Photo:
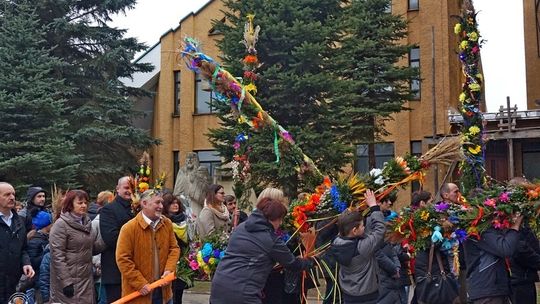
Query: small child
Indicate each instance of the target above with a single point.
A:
(355, 252)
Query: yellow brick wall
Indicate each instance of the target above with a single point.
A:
(186, 132)
(532, 56)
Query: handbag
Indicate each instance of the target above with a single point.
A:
(437, 288)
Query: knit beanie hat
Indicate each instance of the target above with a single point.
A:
(41, 220)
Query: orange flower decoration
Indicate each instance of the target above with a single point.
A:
(251, 59)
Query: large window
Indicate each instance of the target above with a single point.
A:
(414, 62)
(203, 97)
(176, 101)
(413, 5)
(176, 165)
(382, 152)
(209, 159)
(531, 160)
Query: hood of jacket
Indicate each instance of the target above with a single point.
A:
(85, 226)
(257, 222)
(32, 192)
(344, 249)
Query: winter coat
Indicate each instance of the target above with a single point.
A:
(253, 250)
(526, 260)
(356, 257)
(93, 210)
(111, 218)
(328, 231)
(404, 272)
(36, 248)
(486, 268)
(13, 255)
(44, 279)
(134, 255)
(71, 245)
(210, 219)
(389, 267)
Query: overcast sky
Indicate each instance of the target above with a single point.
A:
(501, 25)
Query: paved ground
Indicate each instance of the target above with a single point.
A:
(195, 298)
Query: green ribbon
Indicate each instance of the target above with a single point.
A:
(276, 148)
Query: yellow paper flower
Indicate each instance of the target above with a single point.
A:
(462, 97)
(424, 215)
(475, 150)
(252, 88)
(480, 76)
(473, 36)
(242, 119)
(463, 45)
(457, 28)
(212, 261)
(425, 232)
(474, 130)
(474, 87)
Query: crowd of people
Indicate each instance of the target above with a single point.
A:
(102, 251)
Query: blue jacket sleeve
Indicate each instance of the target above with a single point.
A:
(45, 277)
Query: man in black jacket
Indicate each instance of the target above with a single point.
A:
(487, 276)
(112, 217)
(35, 202)
(525, 265)
(14, 260)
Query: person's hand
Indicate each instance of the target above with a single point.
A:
(517, 218)
(28, 271)
(69, 291)
(165, 273)
(145, 290)
(237, 212)
(370, 198)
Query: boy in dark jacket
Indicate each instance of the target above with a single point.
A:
(525, 265)
(487, 276)
(355, 252)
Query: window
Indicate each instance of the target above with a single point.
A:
(203, 97)
(416, 150)
(210, 159)
(413, 5)
(531, 160)
(388, 8)
(176, 165)
(414, 62)
(176, 101)
(383, 152)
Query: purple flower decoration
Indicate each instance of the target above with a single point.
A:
(236, 145)
(235, 87)
(206, 259)
(461, 235)
(442, 207)
(504, 197)
(287, 136)
(216, 253)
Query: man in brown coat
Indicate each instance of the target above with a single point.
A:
(147, 251)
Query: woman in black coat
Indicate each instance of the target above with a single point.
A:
(174, 210)
(253, 250)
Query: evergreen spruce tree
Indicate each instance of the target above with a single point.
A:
(34, 145)
(295, 47)
(371, 84)
(100, 111)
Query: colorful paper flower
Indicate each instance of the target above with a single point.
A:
(490, 202)
(474, 130)
(475, 87)
(473, 36)
(475, 150)
(457, 28)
